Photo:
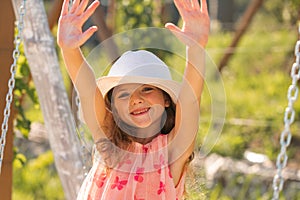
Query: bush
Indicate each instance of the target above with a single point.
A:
(36, 179)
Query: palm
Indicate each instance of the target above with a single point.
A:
(195, 22)
(70, 34)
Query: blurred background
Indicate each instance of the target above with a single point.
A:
(252, 44)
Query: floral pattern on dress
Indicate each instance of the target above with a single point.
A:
(162, 188)
(143, 174)
(100, 180)
(119, 183)
(139, 174)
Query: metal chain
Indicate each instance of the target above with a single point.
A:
(11, 81)
(84, 149)
(289, 118)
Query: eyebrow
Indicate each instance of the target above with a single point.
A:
(122, 90)
(125, 88)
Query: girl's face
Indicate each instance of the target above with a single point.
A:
(139, 105)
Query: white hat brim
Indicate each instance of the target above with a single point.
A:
(106, 83)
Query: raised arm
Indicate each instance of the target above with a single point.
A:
(194, 34)
(69, 38)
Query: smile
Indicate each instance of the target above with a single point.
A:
(140, 112)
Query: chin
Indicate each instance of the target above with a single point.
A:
(142, 125)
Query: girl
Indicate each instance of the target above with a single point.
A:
(143, 123)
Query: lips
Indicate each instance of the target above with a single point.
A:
(140, 111)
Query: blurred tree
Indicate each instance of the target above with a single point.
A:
(169, 13)
(135, 13)
(245, 21)
(101, 17)
(54, 12)
(226, 10)
(284, 11)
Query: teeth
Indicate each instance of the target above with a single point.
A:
(140, 111)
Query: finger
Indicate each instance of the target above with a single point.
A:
(187, 4)
(195, 4)
(87, 34)
(204, 6)
(185, 39)
(90, 10)
(65, 7)
(81, 7)
(74, 6)
(173, 28)
(177, 32)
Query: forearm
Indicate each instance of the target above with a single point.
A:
(74, 61)
(83, 78)
(69, 38)
(79, 71)
(195, 70)
(188, 105)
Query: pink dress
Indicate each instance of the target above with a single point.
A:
(143, 174)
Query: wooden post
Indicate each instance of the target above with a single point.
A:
(6, 49)
(41, 54)
(241, 29)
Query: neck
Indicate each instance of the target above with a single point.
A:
(146, 135)
(145, 140)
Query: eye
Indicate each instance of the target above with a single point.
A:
(147, 89)
(123, 95)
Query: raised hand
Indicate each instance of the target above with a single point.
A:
(196, 23)
(70, 34)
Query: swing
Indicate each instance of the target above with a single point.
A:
(289, 115)
(11, 81)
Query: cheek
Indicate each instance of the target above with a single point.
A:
(121, 107)
(156, 98)
(157, 109)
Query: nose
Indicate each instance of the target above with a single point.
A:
(136, 98)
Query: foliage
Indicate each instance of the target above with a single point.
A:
(256, 82)
(135, 13)
(24, 90)
(37, 179)
(283, 10)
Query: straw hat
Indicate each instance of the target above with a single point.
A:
(141, 67)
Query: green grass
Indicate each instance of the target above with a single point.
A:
(256, 81)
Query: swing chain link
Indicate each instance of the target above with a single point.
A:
(11, 81)
(84, 150)
(289, 117)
